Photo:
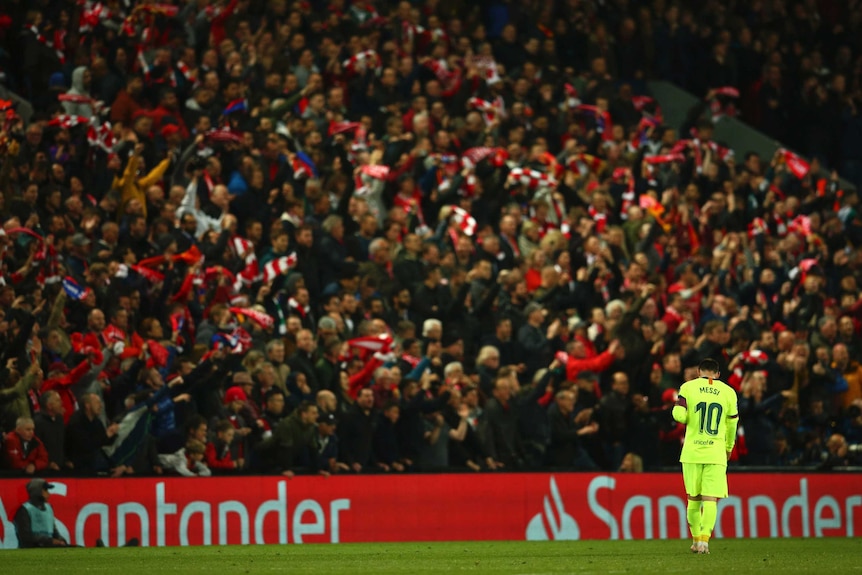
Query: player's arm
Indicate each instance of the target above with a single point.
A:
(680, 409)
(730, 425)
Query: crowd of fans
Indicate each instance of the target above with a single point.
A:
(332, 237)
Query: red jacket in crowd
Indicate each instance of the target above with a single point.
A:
(217, 460)
(63, 386)
(13, 448)
(601, 362)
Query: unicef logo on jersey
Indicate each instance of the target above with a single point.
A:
(553, 523)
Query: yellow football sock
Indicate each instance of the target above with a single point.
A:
(694, 519)
(710, 512)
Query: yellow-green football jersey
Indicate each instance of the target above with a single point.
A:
(708, 408)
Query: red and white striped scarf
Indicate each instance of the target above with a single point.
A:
(244, 249)
(278, 267)
(583, 164)
(93, 14)
(720, 151)
(572, 99)
(374, 343)
(719, 109)
(441, 70)
(76, 99)
(487, 67)
(641, 102)
(490, 110)
(664, 159)
(378, 172)
(465, 222)
(224, 134)
(248, 275)
(112, 334)
(438, 35)
(601, 219)
(57, 42)
(468, 189)
(302, 310)
(450, 79)
(755, 357)
(410, 33)
(757, 227)
(802, 269)
(801, 225)
(628, 196)
(49, 272)
(151, 275)
(367, 173)
(358, 145)
(67, 121)
(473, 156)
(659, 159)
(693, 144)
(532, 179)
(411, 205)
(45, 257)
(263, 320)
(797, 166)
(341, 127)
(102, 136)
(362, 61)
(187, 72)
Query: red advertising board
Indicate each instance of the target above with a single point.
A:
(449, 507)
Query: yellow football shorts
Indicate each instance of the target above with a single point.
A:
(707, 479)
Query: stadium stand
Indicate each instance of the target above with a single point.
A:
(302, 237)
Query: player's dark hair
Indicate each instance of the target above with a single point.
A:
(709, 364)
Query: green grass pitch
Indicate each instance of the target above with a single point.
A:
(640, 557)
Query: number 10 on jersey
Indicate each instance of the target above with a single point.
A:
(710, 416)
